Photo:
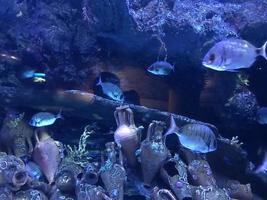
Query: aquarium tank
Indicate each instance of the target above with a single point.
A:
(133, 100)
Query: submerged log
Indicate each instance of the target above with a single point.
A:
(84, 105)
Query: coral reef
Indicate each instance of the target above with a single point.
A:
(13, 173)
(15, 135)
(77, 175)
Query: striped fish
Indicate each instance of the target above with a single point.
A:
(197, 137)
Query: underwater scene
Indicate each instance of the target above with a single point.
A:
(133, 100)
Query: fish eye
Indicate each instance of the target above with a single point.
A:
(211, 58)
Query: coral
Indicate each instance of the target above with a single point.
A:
(242, 106)
(16, 134)
(31, 194)
(202, 16)
(80, 155)
(234, 141)
(67, 176)
(12, 172)
(161, 194)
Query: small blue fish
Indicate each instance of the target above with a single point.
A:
(111, 90)
(232, 55)
(33, 74)
(44, 119)
(162, 68)
(34, 171)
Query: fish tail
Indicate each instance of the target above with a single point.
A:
(173, 127)
(59, 115)
(99, 81)
(263, 50)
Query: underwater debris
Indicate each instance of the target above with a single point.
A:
(112, 172)
(127, 135)
(47, 154)
(174, 173)
(153, 152)
(79, 154)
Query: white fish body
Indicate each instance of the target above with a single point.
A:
(232, 54)
(196, 144)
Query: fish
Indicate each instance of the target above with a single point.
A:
(33, 170)
(111, 90)
(39, 80)
(33, 74)
(198, 138)
(44, 119)
(232, 54)
(263, 166)
(262, 115)
(162, 68)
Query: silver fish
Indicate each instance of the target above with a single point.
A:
(262, 115)
(161, 68)
(196, 137)
(232, 54)
(44, 119)
(111, 90)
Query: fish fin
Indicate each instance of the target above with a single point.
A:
(40, 75)
(262, 51)
(59, 115)
(99, 81)
(232, 70)
(173, 127)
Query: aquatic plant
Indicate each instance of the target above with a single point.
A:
(78, 154)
